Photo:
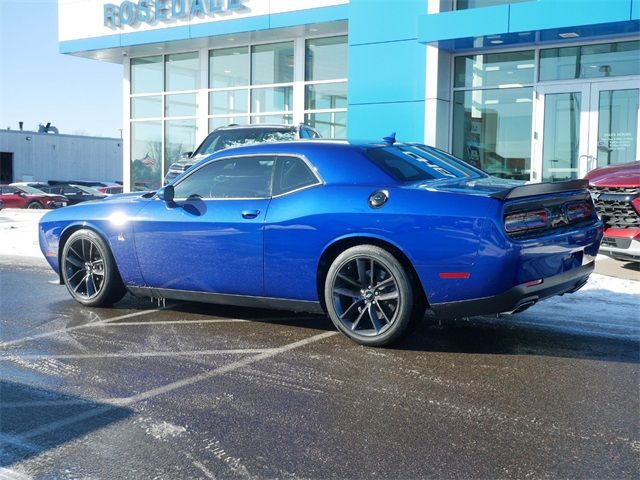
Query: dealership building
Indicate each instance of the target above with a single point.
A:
(526, 89)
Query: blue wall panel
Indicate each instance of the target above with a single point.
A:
(474, 22)
(545, 14)
(375, 121)
(387, 72)
(635, 9)
(373, 21)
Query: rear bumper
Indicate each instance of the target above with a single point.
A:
(518, 297)
(623, 244)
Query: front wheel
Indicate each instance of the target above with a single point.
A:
(89, 270)
(369, 296)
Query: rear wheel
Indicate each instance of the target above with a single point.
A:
(89, 270)
(369, 296)
(34, 205)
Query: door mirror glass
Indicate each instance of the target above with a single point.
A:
(166, 193)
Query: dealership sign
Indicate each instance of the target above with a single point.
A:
(153, 11)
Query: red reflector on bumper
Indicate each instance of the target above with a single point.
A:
(534, 282)
(464, 275)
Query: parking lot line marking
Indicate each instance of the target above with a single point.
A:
(127, 401)
(18, 441)
(175, 322)
(225, 368)
(54, 403)
(77, 327)
(62, 356)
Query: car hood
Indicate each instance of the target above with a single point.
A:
(624, 175)
(482, 186)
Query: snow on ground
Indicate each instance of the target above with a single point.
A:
(606, 306)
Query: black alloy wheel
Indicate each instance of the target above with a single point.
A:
(89, 271)
(369, 296)
(34, 205)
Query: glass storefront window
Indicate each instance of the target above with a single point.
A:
(494, 69)
(147, 75)
(272, 63)
(224, 121)
(561, 140)
(229, 102)
(180, 137)
(326, 95)
(492, 130)
(182, 71)
(465, 4)
(590, 61)
(229, 67)
(146, 155)
(180, 105)
(286, 119)
(146, 107)
(617, 126)
(271, 99)
(326, 58)
(328, 124)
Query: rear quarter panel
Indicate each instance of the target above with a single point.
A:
(435, 230)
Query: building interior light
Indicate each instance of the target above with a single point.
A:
(496, 42)
(569, 35)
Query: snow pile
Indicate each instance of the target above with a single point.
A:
(19, 232)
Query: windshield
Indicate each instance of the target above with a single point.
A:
(414, 163)
(88, 190)
(243, 136)
(30, 190)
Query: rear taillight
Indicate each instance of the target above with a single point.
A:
(636, 204)
(102, 189)
(578, 211)
(525, 221)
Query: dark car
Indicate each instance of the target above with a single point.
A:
(236, 135)
(373, 234)
(103, 187)
(616, 193)
(24, 196)
(75, 193)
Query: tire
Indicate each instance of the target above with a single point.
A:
(371, 313)
(89, 270)
(34, 205)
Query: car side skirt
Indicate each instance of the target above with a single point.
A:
(517, 298)
(229, 299)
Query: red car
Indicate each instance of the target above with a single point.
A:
(28, 197)
(616, 193)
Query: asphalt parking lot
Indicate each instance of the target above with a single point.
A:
(202, 391)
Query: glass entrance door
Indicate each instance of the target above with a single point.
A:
(579, 127)
(613, 135)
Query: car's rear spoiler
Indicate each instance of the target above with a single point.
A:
(534, 189)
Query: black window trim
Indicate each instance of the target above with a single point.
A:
(313, 170)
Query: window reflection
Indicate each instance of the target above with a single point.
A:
(146, 155)
(492, 130)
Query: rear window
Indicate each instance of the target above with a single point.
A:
(243, 136)
(415, 163)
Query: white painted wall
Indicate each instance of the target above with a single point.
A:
(41, 156)
(85, 19)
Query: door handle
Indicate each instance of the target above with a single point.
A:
(250, 213)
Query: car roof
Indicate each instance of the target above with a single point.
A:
(328, 156)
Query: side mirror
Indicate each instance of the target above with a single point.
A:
(166, 193)
(186, 154)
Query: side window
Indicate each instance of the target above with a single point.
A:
(240, 177)
(291, 174)
(9, 190)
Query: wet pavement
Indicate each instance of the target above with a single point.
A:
(202, 391)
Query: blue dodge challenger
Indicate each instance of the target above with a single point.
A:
(372, 234)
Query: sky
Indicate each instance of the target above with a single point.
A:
(39, 85)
